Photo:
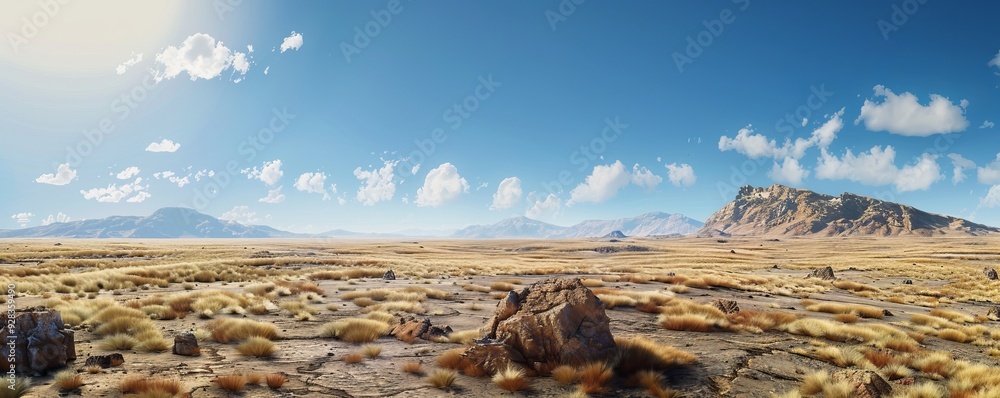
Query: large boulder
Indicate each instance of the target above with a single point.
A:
(555, 321)
(866, 384)
(39, 340)
(825, 273)
(491, 357)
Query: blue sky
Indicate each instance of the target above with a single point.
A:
(450, 113)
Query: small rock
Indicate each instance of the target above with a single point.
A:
(886, 312)
(991, 273)
(907, 281)
(186, 344)
(866, 384)
(825, 273)
(106, 361)
(491, 356)
(732, 252)
(993, 313)
(389, 275)
(726, 306)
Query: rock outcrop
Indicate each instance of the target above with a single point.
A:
(825, 273)
(41, 342)
(726, 306)
(410, 328)
(106, 361)
(552, 322)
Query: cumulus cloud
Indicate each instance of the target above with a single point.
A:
(960, 164)
(756, 146)
(986, 124)
(163, 146)
(55, 218)
(376, 185)
(23, 219)
(995, 61)
(128, 173)
(441, 185)
(602, 184)
(62, 176)
(508, 194)
(878, 167)
(273, 196)
(202, 173)
(121, 69)
(270, 173)
(992, 198)
(240, 214)
(314, 183)
(201, 56)
(681, 176)
(542, 208)
(642, 177)
(135, 192)
(789, 171)
(990, 173)
(292, 42)
(902, 114)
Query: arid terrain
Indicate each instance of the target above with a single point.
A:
(916, 311)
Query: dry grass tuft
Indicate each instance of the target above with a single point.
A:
(638, 353)
(953, 335)
(594, 377)
(355, 330)
(259, 347)
(371, 350)
(688, 322)
(413, 368)
(275, 380)
(118, 341)
(847, 318)
(67, 380)
(233, 382)
(353, 358)
(442, 378)
(232, 330)
(511, 379)
(451, 359)
(865, 311)
(566, 374)
(150, 386)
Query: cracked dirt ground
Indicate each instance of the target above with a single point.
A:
(730, 364)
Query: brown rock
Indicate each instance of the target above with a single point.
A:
(106, 361)
(867, 384)
(410, 328)
(991, 273)
(825, 273)
(553, 321)
(186, 344)
(389, 275)
(491, 356)
(726, 306)
(993, 314)
(41, 342)
(434, 333)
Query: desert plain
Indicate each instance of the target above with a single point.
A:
(304, 318)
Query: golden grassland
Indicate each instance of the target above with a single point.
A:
(287, 307)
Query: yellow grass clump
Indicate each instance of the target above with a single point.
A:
(442, 378)
(255, 346)
(511, 379)
(355, 330)
(67, 380)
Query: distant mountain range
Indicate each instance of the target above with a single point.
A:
(773, 211)
(782, 211)
(649, 224)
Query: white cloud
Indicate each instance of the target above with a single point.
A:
(755, 146)
(202, 173)
(240, 63)
(442, 184)
(240, 214)
(482, 185)
(789, 171)
(508, 194)
(163, 146)
(121, 69)
(128, 173)
(273, 196)
(904, 115)
(602, 184)
(55, 218)
(960, 164)
(995, 61)
(180, 181)
(415, 169)
(22, 218)
(199, 55)
(540, 208)
(62, 176)
(990, 174)
(292, 42)
(986, 124)
(266, 69)
(341, 200)
(804, 121)
(314, 183)
(270, 173)
(135, 192)
(992, 198)
(681, 176)
(642, 177)
(376, 185)
(877, 167)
